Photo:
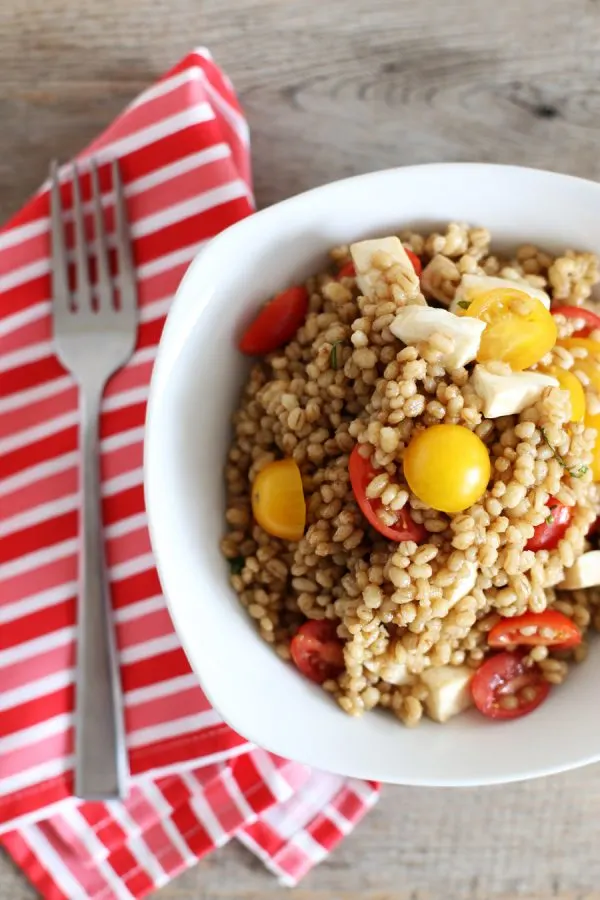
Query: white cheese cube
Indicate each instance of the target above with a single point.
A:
(471, 286)
(506, 395)
(449, 691)
(464, 584)
(417, 323)
(396, 673)
(584, 574)
(369, 276)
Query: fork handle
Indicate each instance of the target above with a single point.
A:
(100, 752)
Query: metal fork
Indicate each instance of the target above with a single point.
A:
(94, 337)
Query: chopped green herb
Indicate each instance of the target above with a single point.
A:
(578, 471)
(237, 564)
(333, 356)
(464, 304)
(574, 471)
(549, 519)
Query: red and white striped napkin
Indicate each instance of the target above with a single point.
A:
(184, 156)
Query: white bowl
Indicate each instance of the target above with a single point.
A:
(194, 389)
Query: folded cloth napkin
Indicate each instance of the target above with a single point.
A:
(184, 156)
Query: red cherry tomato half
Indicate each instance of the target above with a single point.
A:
(417, 265)
(575, 312)
(317, 651)
(503, 687)
(549, 628)
(276, 323)
(547, 535)
(361, 474)
(347, 270)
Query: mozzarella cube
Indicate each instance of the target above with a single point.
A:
(464, 584)
(417, 323)
(449, 691)
(369, 276)
(584, 574)
(471, 286)
(396, 673)
(506, 395)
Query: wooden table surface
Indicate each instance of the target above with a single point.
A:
(333, 88)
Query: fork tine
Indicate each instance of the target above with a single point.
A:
(61, 295)
(127, 280)
(105, 293)
(83, 289)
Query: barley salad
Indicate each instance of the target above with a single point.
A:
(412, 485)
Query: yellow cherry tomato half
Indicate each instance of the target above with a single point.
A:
(520, 330)
(593, 421)
(572, 343)
(447, 467)
(590, 364)
(572, 385)
(591, 370)
(278, 500)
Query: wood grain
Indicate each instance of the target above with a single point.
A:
(332, 89)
